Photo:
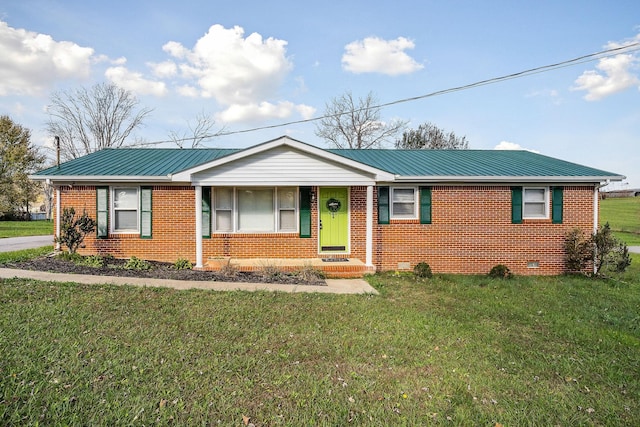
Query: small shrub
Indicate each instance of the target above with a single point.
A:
(577, 251)
(73, 230)
(602, 250)
(95, 261)
(500, 271)
(622, 258)
(135, 263)
(183, 264)
(422, 270)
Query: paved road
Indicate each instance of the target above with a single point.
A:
(18, 243)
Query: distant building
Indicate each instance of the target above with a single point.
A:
(629, 192)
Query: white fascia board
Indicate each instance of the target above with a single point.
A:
(378, 174)
(508, 179)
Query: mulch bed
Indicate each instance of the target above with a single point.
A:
(161, 270)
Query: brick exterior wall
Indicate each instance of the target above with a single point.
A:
(471, 231)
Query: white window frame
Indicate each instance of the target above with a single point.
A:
(545, 202)
(113, 210)
(392, 202)
(235, 213)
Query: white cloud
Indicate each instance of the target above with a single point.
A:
(164, 69)
(614, 74)
(188, 91)
(231, 68)
(506, 145)
(243, 74)
(135, 82)
(31, 63)
(263, 110)
(375, 55)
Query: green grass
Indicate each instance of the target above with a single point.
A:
(23, 255)
(455, 350)
(623, 215)
(25, 228)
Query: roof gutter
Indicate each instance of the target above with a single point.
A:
(99, 178)
(508, 179)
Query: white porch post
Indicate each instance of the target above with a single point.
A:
(198, 226)
(57, 217)
(369, 229)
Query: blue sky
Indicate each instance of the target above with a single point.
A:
(253, 64)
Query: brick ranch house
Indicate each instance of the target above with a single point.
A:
(461, 211)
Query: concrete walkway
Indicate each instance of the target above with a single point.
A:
(634, 249)
(11, 244)
(334, 286)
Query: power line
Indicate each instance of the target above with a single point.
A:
(570, 62)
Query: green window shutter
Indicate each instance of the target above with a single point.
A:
(383, 205)
(145, 212)
(425, 205)
(102, 212)
(556, 205)
(206, 212)
(305, 212)
(516, 205)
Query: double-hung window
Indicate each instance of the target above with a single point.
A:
(255, 209)
(125, 209)
(535, 203)
(403, 202)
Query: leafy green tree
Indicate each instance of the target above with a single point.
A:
(18, 159)
(430, 137)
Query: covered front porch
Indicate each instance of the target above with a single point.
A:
(331, 267)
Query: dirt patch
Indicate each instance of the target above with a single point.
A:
(161, 270)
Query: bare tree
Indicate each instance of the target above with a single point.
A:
(429, 137)
(88, 120)
(349, 123)
(198, 131)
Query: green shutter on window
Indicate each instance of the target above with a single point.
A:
(305, 212)
(102, 212)
(383, 205)
(425, 205)
(556, 205)
(145, 212)
(516, 205)
(206, 212)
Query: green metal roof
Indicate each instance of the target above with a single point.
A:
(136, 162)
(469, 163)
(162, 162)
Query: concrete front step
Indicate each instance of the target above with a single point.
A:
(331, 267)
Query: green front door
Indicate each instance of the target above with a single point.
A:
(334, 220)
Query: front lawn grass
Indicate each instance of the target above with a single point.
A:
(455, 350)
(623, 216)
(24, 254)
(25, 228)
